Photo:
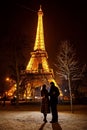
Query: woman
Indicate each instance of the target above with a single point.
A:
(45, 105)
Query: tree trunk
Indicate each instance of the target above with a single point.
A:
(17, 74)
(69, 83)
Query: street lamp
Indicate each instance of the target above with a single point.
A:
(7, 79)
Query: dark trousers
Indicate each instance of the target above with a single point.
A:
(54, 112)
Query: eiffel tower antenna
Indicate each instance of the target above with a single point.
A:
(40, 7)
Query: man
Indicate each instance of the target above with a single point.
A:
(54, 93)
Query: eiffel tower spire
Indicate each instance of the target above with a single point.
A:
(39, 42)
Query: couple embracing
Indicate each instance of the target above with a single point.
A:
(50, 101)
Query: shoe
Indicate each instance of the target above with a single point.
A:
(53, 121)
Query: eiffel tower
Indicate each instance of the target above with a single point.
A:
(38, 63)
(38, 71)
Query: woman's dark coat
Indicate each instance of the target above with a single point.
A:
(45, 104)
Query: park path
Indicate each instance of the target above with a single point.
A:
(33, 120)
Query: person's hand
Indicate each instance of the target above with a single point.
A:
(42, 97)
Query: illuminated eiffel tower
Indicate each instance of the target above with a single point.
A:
(38, 62)
(37, 71)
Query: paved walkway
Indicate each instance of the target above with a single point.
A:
(33, 120)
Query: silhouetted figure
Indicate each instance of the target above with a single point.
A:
(45, 105)
(4, 99)
(54, 93)
(13, 100)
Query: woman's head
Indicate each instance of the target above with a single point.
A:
(44, 86)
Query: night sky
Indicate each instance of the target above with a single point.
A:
(63, 20)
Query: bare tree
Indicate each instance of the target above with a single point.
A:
(17, 60)
(67, 65)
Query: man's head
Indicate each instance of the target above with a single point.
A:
(52, 83)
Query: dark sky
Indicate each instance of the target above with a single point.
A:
(63, 20)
